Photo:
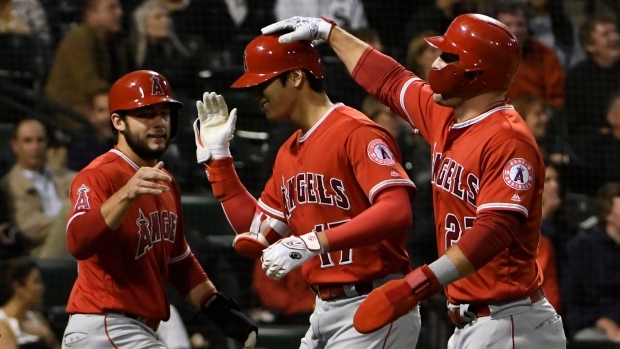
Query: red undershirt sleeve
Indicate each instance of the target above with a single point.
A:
(239, 206)
(81, 245)
(492, 233)
(390, 214)
(186, 274)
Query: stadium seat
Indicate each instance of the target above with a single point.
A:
(204, 214)
(6, 154)
(58, 276)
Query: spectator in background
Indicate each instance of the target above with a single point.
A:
(540, 72)
(24, 17)
(547, 257)
(590, 83)
(12, 242)
(348, 14)
(21, 291)
(604, 148)
(157, 47)
(436, 15)
(420, 55)
(86, 149)
(591, 277)
(550, 25)
(38, 194)
(225, 26)
(89, 58)
(552, 144)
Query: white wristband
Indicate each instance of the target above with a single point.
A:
(219, 151)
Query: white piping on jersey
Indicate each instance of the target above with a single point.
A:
(228, 219)
(119, 153)
(402, 98)
(72, 218)
(381, 185)
(480, 117)
(270, 210)
(502, 205)
(305, 136)
(176, 259)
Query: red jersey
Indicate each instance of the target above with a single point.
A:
(490, 162)
(130, 273)
(330, 175)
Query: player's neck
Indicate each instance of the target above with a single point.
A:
(613, 232)
(478, 105)
(310, 111)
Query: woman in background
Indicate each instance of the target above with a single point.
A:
(21, 290)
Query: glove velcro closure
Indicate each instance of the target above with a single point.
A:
(227, 316)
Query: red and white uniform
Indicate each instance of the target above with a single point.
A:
(330, 175)
(490, 162)
(126, 270)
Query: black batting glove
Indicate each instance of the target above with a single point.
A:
(227, 316)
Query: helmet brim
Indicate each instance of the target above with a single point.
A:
(146, 101)
(439, 42)
(252, 79)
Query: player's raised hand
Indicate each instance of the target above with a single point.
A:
(302, 28)
(214, 128)
(148, 180)
(289, 253)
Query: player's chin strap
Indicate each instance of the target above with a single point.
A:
(226, 314)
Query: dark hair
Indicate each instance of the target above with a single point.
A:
(523, 103)
(587, 27)
(513, 8)
(315, 84)
(605, 200)
(28, 119)
(14, 271)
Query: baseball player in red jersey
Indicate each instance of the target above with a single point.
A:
(488, 178)
(126, 231)
(337, 188)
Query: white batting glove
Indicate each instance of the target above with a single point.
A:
(214, 128)
(289, 253)
(302, 28)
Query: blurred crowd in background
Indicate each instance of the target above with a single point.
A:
(58, 59)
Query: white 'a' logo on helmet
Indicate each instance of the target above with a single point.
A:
(156, 88)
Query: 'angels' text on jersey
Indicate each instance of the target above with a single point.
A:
(449, 176)
(313, 188)
(154, 227)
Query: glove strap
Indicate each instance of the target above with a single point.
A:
(333, 23)
(219, 151)
(312, 242)
(423, 282)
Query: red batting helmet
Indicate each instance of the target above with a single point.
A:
(265, 57)
(488, 56)
(142, 88)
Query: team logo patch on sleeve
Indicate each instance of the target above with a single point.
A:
(518, 174)
(82, 201)
(380, 153)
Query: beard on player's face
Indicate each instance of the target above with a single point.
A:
(140, 145)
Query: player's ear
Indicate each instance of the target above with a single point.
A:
(297, 76)
(118, 121)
